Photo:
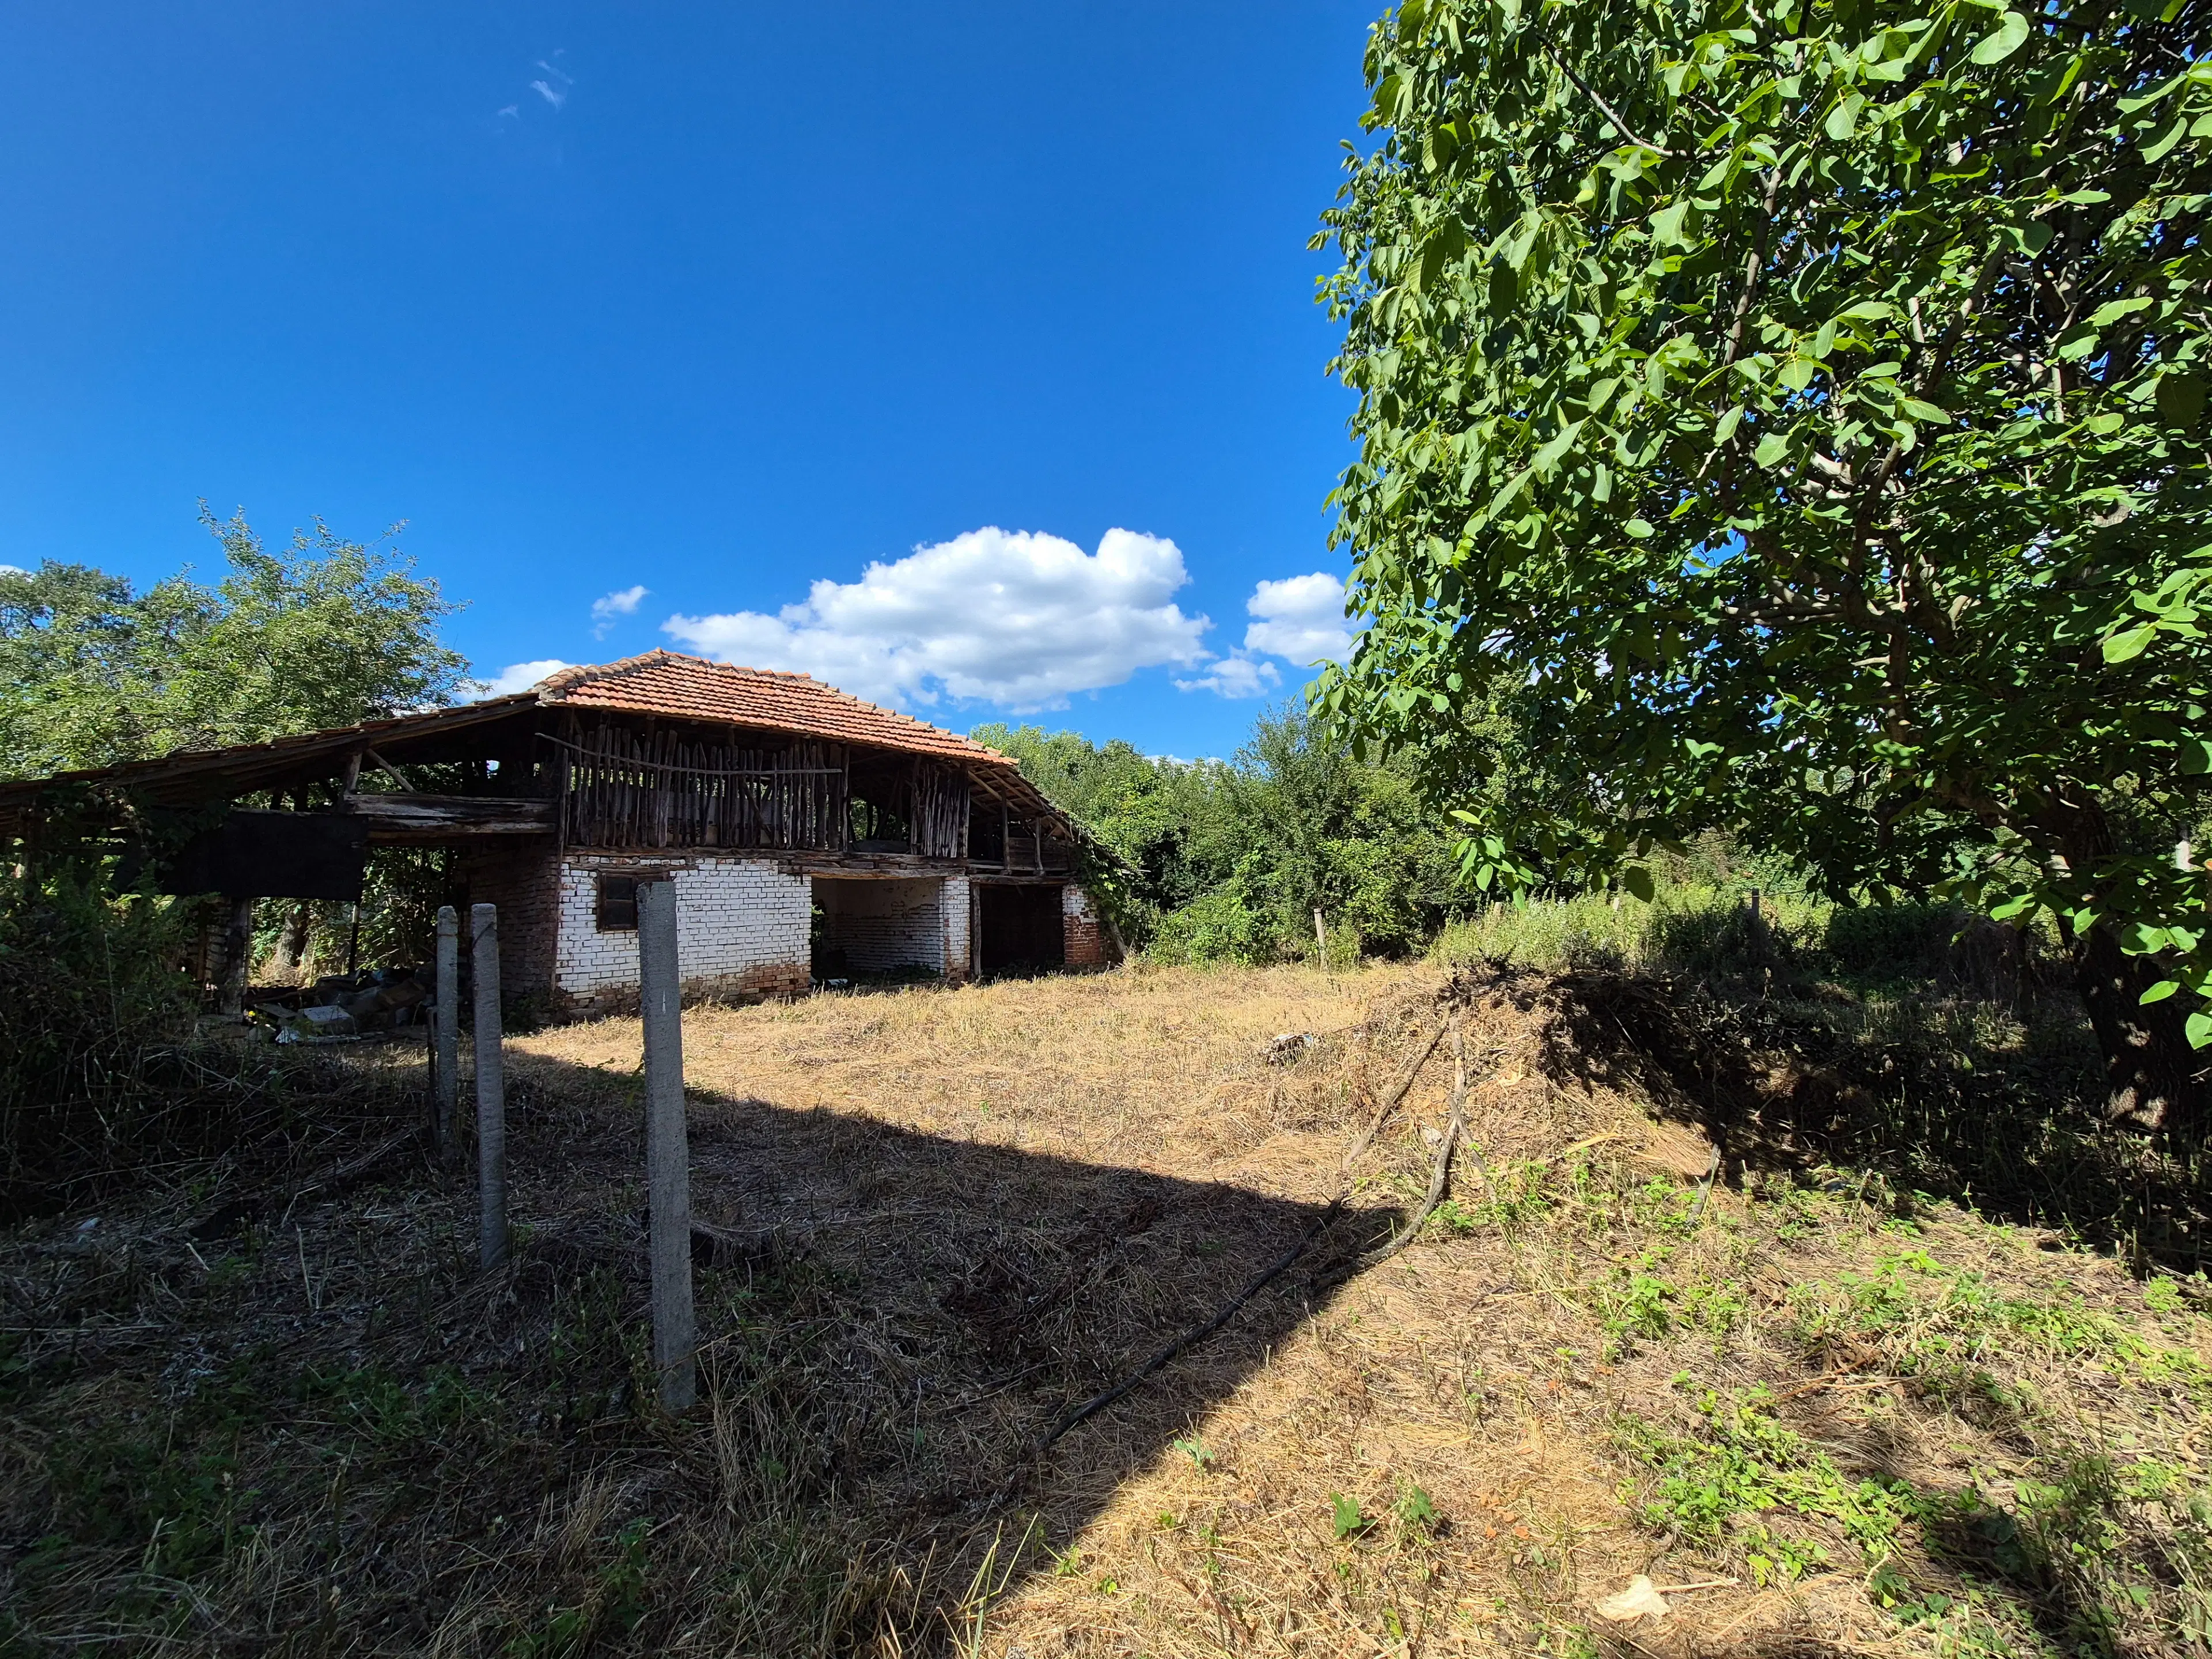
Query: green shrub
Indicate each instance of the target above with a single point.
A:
(1894, 938)
(88, 983)
(1218, 925)
(1697, 924)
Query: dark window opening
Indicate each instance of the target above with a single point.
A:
(617, 906)
(877, 829)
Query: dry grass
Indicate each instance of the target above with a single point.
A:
(1892, 1427)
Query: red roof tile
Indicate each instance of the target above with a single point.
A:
(671, 684)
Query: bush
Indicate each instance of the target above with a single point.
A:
(1218, 925)
(88, 983)
(1875, 939)
(1703, 927)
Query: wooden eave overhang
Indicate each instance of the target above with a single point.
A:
(192, 777)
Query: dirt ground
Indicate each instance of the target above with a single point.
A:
(1819, 1416)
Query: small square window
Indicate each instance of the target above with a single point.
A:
(618, 904)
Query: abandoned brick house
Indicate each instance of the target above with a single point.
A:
(808, 833)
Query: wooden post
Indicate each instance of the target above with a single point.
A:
(667, 1148)
(237, 958)
(1321, 936)
(491, 1089)
(445, 1031)
(1755, 919)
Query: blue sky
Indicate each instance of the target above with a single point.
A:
(726, 303)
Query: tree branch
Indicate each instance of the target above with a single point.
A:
(1589, 92)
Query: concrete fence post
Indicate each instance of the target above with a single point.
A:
(446, 1031)
(667, 1147)
(491, 1089)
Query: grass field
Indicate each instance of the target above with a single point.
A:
(265, 1403)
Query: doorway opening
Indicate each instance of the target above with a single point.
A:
(878, 929)
(1018, 930)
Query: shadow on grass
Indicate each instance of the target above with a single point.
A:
(334, 1434)
(1988, 1105)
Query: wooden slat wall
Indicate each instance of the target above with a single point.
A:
(629, 789)
(941, 812)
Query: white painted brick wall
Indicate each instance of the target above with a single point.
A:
(958, 911)
(732, 915)
(882, 925)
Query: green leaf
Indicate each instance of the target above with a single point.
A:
(2198, 1025)
(2143, 101)
(1797, 374)
(1504, 497)
(2180, 400)
(1639, 528)
(1415, 1507)
(1771, 448)
(1666, 223)
(1549, 456)
(2160, 992)
(1638, 880)
(2157, 150)
(2010, 36)
(1724, 429)
(1843, 119)
(1346, 1514)
(2109, 312)
(1505, 286)
(2127, 646)
(2195, 757)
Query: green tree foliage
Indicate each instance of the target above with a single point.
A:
(1800, 406)
(1233, 858)
(323, 633)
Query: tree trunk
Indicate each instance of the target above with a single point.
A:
(2153, 1077)
(292, 944)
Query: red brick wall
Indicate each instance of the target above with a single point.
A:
(1089, 943)
(524, 881)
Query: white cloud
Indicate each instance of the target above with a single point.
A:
(623, 602)
(1239, 674)
(1301, 619)
(514, 110)
(516, 677)
(1010, 617)
(552, 95)
(13, 570)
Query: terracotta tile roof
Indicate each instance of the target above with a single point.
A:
(671, 684)
(663, 682)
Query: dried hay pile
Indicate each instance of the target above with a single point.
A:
(1857, 1420)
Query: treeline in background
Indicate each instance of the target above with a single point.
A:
(1228, 861)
